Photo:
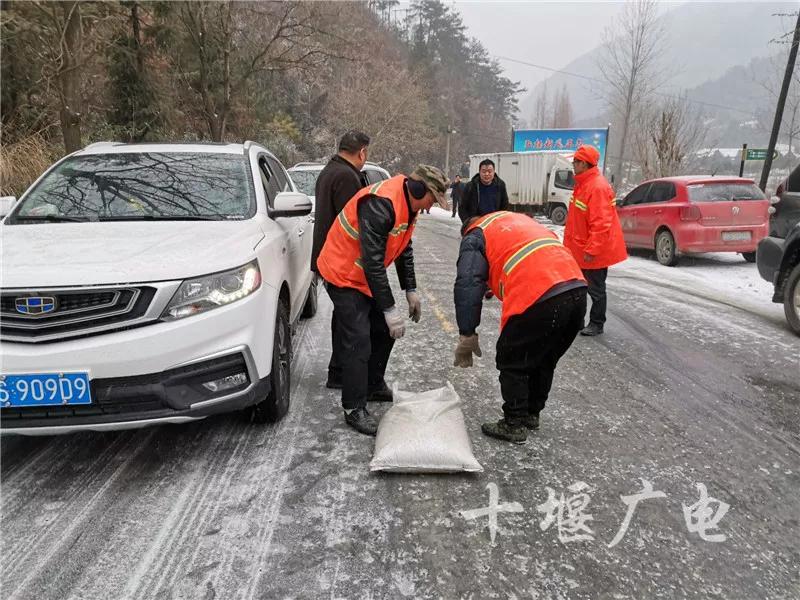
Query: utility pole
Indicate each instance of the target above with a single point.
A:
(776, 124)
(447, 152)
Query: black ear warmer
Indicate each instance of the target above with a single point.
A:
(417, 189)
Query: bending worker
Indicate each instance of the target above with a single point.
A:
(373, 231)
(544, 299)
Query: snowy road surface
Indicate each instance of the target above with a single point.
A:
(693, 393)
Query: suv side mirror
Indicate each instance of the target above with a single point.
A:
(290, 204)
(6, 204)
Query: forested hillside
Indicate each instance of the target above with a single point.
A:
(290, 75)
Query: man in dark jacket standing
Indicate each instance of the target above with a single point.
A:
(456, 191)
(373, 231)
(484, 194)
(336, 184)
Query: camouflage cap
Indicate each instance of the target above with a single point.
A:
(434, 179)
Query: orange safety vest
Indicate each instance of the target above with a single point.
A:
(525, 260)
(339, 261)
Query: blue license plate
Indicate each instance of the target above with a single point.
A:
(45, 389)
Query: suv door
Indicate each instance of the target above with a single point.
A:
(273, 185)
(651, 212)
(627, 211)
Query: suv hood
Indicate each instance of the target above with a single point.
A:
(68, 254)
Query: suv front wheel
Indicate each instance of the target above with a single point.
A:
(276, 404)
(791, 299)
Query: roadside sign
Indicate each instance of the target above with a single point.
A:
(758, 154)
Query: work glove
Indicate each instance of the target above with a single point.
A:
(395, 322)
(467, 346)
(414, 305)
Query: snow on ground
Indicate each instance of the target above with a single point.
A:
(721, 276)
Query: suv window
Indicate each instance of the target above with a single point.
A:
(268, 180)
(565, 179)
(134, 186)
(280, 175)
(637, 196)
(306, 181)
(373, 176)
(724, 192)
(660, 191)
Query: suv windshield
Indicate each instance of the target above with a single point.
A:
(305, 181)
(139, 186)
(724, 192)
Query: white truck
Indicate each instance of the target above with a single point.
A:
(537, 182)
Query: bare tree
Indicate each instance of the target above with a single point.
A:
(629, 65)
(666, 136)
(562, 109)
(60, 47)
(770, 79)
(541, 109)
(231, 44)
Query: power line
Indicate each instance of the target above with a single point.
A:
(596, 80)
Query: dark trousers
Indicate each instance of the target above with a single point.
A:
(596, 278)
(334, 365)
(455, 206)
(529, 348)
(364, 344)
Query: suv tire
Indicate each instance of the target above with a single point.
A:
(276, 404)
(749, 256)
(665, 249)
(791, 299)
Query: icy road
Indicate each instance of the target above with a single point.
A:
(667, 466)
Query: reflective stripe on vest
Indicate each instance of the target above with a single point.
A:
(583, 206)
(526, 251)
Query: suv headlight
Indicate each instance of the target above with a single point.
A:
(202, 294)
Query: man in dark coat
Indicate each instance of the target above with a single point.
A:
(456, 191)
(336, 184)
(485, 193)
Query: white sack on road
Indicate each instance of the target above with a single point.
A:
(424, 433)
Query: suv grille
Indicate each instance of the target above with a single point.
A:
(33, 316)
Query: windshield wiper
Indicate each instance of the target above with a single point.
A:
(165, 218)
(52, 218)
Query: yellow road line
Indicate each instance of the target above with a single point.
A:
(437, 310)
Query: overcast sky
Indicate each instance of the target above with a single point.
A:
(547, 33)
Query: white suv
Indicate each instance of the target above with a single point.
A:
(305, 175)
(152, 283)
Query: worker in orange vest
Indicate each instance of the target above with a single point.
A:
(544, 299)
(592, 232)
(373, 231)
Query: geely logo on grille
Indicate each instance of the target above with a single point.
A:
(735, 210)
(35, 305)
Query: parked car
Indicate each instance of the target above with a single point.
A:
(687, 215)
(305, 175)
(152, 283)
(778, 257)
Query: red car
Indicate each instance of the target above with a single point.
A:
(686, 215)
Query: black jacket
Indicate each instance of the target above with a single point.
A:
(468, 206)
(471, 281)
(375, 220)
(336, 184)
